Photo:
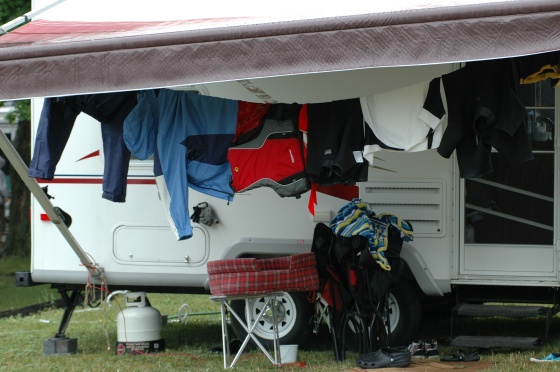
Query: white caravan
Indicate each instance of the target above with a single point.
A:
(503, 236)
(493, 238)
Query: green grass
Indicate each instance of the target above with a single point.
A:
(12, 297)
(188, 342)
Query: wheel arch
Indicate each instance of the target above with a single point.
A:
(422, 274)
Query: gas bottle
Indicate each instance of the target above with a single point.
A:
(138, 326)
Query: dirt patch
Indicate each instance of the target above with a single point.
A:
(431, 366)
(27, 310)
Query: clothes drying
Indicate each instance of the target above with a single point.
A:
(484, 113)
(355, 218)
(539, 67)
(249, 121)
(190, 134)
(336, 137)
(411, 118)
(55, 125)
(275, 158)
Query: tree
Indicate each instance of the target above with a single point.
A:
(18, 241)
(11, 9)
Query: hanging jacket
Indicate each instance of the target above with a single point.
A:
(274, 159)
(191, 134)
(484, 112)
(336, 137)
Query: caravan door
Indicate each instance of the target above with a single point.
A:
(509, 216)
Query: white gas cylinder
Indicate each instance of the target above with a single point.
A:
(138, 321)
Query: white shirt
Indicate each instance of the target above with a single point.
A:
(398, 119)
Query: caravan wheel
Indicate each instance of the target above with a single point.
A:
(293, 312)
(404, 313)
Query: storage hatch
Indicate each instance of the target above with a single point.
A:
(136, 244)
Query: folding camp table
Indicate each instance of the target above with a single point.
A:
(249, 325)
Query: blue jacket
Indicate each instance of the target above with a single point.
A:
(192, 134)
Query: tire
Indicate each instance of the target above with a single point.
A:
(294, 313)
(404, 318)
(404, 313)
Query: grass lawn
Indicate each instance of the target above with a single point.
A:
(12, 297)
(187, 343)
(189, 340)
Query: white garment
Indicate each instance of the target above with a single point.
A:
(398, 119)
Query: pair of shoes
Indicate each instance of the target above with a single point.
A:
(424, 349)
(398, 357)
(460, 356)
(552, 357)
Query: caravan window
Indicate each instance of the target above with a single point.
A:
(516, 205)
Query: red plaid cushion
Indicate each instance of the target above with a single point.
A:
(251, 276)
(237, 265)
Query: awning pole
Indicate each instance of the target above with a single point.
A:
(22, 170)
(7, 27)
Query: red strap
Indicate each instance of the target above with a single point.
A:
(312, 199)
(353, 279)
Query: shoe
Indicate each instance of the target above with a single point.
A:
(417, 350)
(431, 349)
(395, 350)
(398, 357)
(553, 357)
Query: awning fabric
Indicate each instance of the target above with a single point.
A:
(76, 48)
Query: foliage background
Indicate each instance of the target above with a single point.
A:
(11, 9)
(18, 242)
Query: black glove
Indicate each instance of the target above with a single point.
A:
(204, 214)
(195, 217)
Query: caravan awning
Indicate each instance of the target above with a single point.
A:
(112, 45)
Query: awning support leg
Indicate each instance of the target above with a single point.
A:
(22, 170)
(60, 344)
(71, 303)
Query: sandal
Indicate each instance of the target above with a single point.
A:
(450, 358)
(460, 356)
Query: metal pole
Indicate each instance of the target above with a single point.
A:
(21, 168)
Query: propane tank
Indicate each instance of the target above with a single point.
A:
(138, 326)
